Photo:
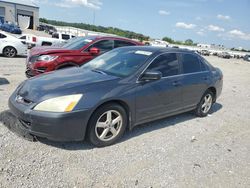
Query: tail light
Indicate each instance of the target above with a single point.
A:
(33, 39)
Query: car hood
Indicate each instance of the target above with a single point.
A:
(48, 50)
(61, 82)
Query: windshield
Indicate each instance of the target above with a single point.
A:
(120, 62)
(77, 43)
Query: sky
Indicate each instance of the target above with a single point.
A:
(223, 22)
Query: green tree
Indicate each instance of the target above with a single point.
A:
(189, 42)
(168, 39)
(111, 30)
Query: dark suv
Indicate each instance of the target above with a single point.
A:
(74, 53)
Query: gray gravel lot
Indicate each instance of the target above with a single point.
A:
(180, 151)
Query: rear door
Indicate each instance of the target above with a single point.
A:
(157, 98)
(195, 79)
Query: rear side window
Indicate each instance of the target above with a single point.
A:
(120, 43)
(190, 63)
(65, 37)
(23, 37)
(104, 45)
(2, 36)
(167, 64)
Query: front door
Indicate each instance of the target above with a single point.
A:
(156, 99)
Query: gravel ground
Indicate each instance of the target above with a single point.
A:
(180, 151)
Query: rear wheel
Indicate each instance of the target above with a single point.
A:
(107, 125)
(9, 51)
(205, 104)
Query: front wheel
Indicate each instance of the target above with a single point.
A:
(107, 125)
(9, 51)
(205, 104)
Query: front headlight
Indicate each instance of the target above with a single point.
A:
(46, 58)
(59, 104)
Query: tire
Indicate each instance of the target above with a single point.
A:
(102, 130)
(205, 104)
(9, 51)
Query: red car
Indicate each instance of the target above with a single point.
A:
(76, 52)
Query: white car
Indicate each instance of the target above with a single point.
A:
(56, 40)
(159, 43)
(11, 46)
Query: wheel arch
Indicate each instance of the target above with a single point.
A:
(213, 90)
(114, 101)
(9, 46)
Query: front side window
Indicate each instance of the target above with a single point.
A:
(104, 45)
(167, 64)
(190, 63)
(2, 36)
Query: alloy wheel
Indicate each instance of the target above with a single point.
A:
(108, 125)
(9, 52)
(207, 103)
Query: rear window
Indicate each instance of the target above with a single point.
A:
(190, 63)
(206, 63)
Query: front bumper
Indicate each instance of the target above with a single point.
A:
(29, 73)
(70, 126)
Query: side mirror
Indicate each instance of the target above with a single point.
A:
(94, 51)
(151, 75)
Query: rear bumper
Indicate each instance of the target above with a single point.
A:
(219, 86)
(53, 126)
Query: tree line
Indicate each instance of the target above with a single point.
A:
(188, 42)
(110, 30)
(115, 31)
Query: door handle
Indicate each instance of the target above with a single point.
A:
(176, 83)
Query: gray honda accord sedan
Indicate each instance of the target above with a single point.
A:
(114, 92)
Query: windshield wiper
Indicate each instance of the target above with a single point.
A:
(99, 71)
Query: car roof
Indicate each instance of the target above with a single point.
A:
(98, 37)
(154, 49)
